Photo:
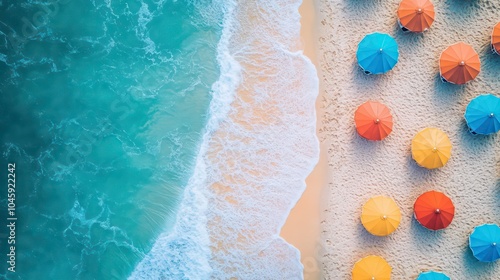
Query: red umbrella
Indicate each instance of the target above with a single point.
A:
(434, 210)
(416, 15)
(459, 64)
(373, 120)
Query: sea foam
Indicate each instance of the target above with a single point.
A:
(259, 145)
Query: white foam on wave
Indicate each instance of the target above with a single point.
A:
(259, 146)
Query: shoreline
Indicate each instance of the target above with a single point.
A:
(302, 227)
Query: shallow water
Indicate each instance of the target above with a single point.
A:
(259, 147)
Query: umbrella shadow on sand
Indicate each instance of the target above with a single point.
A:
(423, 236)
(475, 266)
(369, 3)
(463, 6)
(417, 174)
(366, 82)
(406, 39)
(368, 238)
(368, 86)
(473, 142)
(490, 64)
(493, 58)
(447, 94)
(370, 150)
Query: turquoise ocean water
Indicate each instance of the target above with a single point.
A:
(104, 105)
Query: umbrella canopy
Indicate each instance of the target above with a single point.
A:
(434, 210)
(431, 148)
(416, 15)
(373, 120)
(432, 275)
(495, 38)
(484, 242)
(377, 53)
(459, 64)
(380, 215)
(483, 114)
(370, 268)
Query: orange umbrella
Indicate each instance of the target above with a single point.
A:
(459, 63)
(416, 15)
(434, 210)
(373, 120)
(495, 38)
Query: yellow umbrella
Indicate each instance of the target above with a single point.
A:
(371, 268)
(431, 148)
(380, 215)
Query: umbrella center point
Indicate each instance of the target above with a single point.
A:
(380, 50)
(494, 244)
(377, 121)
(492, 115)
(384, 217)
(437, 211)
(434, 149)
(419, 11)
(373, 278)
(462, 63)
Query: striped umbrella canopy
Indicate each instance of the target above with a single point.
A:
(484, 242)
(371, 268)
(373, 121)
(434, 210)
(416, 15)
(377, 53)
(483, 114)
(459, 64)
(431, 148)
(380, 215)
(432, 275)
(495, 38)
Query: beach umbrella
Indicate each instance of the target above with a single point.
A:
(371, 268)
(432, 275)
(377, 53)
(434, 210)
(416, 15)
(484, 242)
(373, 120)
(431, 148)
(483, 114)
(495, 38)
(380, 215)
(459, 63)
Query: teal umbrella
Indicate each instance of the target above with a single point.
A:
(377, 53)
(432, 275)
(483, 114)
(484, 242)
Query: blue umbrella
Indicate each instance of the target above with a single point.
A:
(484, 242)
(483, 114)
(377, 53)
(432, 275)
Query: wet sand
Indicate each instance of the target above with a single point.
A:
(302, 228)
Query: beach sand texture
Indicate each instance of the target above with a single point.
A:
(302, 227)
(417, 98)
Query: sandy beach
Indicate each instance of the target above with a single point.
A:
(325, 224)
(302, 228)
